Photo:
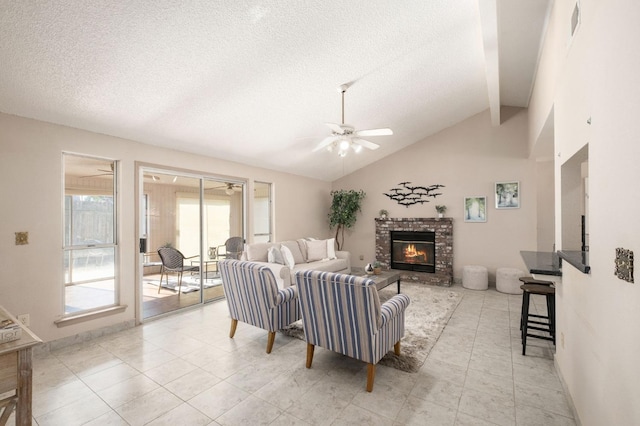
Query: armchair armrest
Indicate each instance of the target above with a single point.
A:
(394, 306)
(286, 294)
(281, 272)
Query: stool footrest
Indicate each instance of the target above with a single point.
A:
(531, 327)
(536, 336)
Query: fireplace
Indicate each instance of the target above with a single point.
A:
(413, 251)
(442, 258)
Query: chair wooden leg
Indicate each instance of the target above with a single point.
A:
(310, 349)
(270, 340)
(234, 325)
(396, 348)
(160, 285)
(371, 375)
(179, 284)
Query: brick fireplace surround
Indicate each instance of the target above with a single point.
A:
(443, 228)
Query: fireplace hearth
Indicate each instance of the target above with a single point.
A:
(412, 254)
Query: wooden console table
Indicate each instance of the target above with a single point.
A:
(16, 375)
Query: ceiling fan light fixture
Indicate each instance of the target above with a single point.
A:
(229, 191)
(344, 136)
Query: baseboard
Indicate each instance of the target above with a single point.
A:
(85, 336)
(565, 388)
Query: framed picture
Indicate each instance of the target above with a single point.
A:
(475, 209)
(507, 195)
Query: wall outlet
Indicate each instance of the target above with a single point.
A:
(24, 319)
(362, 257)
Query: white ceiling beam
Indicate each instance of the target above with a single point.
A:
(489, 25)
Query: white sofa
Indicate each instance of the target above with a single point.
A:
(306, 254)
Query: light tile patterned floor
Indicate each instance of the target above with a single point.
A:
(185, 370)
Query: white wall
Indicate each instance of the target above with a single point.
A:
(598, 76)
(546, 205)
(31, 194)
(468, 159)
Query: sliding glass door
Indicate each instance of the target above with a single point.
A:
(188, 217)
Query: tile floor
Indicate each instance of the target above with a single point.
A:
(184, 370)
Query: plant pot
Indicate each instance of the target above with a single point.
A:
(441, 215)
(377, 271)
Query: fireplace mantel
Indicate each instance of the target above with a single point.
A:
(443, 228)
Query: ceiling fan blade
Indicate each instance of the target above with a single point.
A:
(98, 175)
(336, 128)
(325, 143)
(374, 132)
(365, 143)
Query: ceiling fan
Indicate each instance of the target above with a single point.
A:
(229, 188)
(344, 136)
(105, 172)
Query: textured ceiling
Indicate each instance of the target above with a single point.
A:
(254, 81)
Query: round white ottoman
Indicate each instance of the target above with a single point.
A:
(475, 277)
(507, 280)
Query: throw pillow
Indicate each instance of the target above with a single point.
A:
(303, 248)
(288, 256)
(298, 258)
(257, 252)
(316, 250)
(275, 255)
(331, 248)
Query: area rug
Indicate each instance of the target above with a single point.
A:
(425, 318)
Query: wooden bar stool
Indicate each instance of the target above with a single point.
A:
(538, 322)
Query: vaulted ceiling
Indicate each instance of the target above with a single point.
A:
(254, 81)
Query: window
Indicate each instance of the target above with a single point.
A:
(90, 240)
(262, 212)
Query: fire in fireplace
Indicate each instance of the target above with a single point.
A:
(413, 251)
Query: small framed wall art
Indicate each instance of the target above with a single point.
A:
(475, 209)
(507, 195)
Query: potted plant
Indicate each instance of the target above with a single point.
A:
(383, 214)
(344, 208)
(441, 210)
(377, 267)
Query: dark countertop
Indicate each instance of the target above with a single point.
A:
(542, 262)
(577, 259)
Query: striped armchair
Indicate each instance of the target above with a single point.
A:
(342, 313)
(253, 298)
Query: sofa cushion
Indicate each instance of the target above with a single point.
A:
(335, 265)
(258, 252)
(295, 251)
(316, 250)
(274, 255)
